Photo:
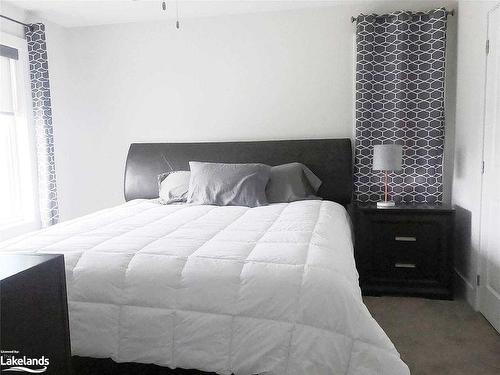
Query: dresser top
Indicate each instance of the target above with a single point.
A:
(407, 208)
(12, 264)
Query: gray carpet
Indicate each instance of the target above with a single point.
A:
(438, 337)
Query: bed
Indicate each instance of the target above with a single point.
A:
(265, 290)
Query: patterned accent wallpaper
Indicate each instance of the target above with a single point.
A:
(42, 114)
(400, 88)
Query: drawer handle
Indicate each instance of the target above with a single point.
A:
(405, 265)
(406, 239)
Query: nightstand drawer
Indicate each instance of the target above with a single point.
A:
(406, 235)
(405, 266)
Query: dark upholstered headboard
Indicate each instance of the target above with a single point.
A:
(329, 159)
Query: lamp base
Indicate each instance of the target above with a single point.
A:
(383, 204)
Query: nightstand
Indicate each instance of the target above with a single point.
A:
(34, 313)
(405, 250)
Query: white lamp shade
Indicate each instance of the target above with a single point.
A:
(387, 157)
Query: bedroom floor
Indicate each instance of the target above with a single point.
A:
(438, 337)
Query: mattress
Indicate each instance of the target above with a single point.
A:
(266, 290)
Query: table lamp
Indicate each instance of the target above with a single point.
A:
(387, 158)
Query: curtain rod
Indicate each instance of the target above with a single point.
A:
(447, 12)
(29, 26)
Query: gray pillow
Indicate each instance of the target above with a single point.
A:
(292, 182)
(228, 184)
(173, 186)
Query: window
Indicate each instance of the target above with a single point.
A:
(18, 203)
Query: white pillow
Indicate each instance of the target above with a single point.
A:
(173, 186)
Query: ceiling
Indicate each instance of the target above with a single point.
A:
(75, 13)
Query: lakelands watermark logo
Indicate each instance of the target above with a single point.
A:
(11, 361)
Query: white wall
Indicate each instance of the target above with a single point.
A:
(258, 76)
(472, 29)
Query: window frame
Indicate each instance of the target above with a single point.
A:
(30, 221)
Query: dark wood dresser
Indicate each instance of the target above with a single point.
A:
(34, 313)
(405, 250)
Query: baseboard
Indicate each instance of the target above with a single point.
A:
(465, 290)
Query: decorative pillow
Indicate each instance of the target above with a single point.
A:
(292, 182)
(228, 184)
(173, 186)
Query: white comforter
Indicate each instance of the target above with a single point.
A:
(268, 290)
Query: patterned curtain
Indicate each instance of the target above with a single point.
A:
(42, 114)
(400, 78)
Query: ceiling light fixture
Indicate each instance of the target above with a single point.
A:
(177, 11)
(164, 7)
